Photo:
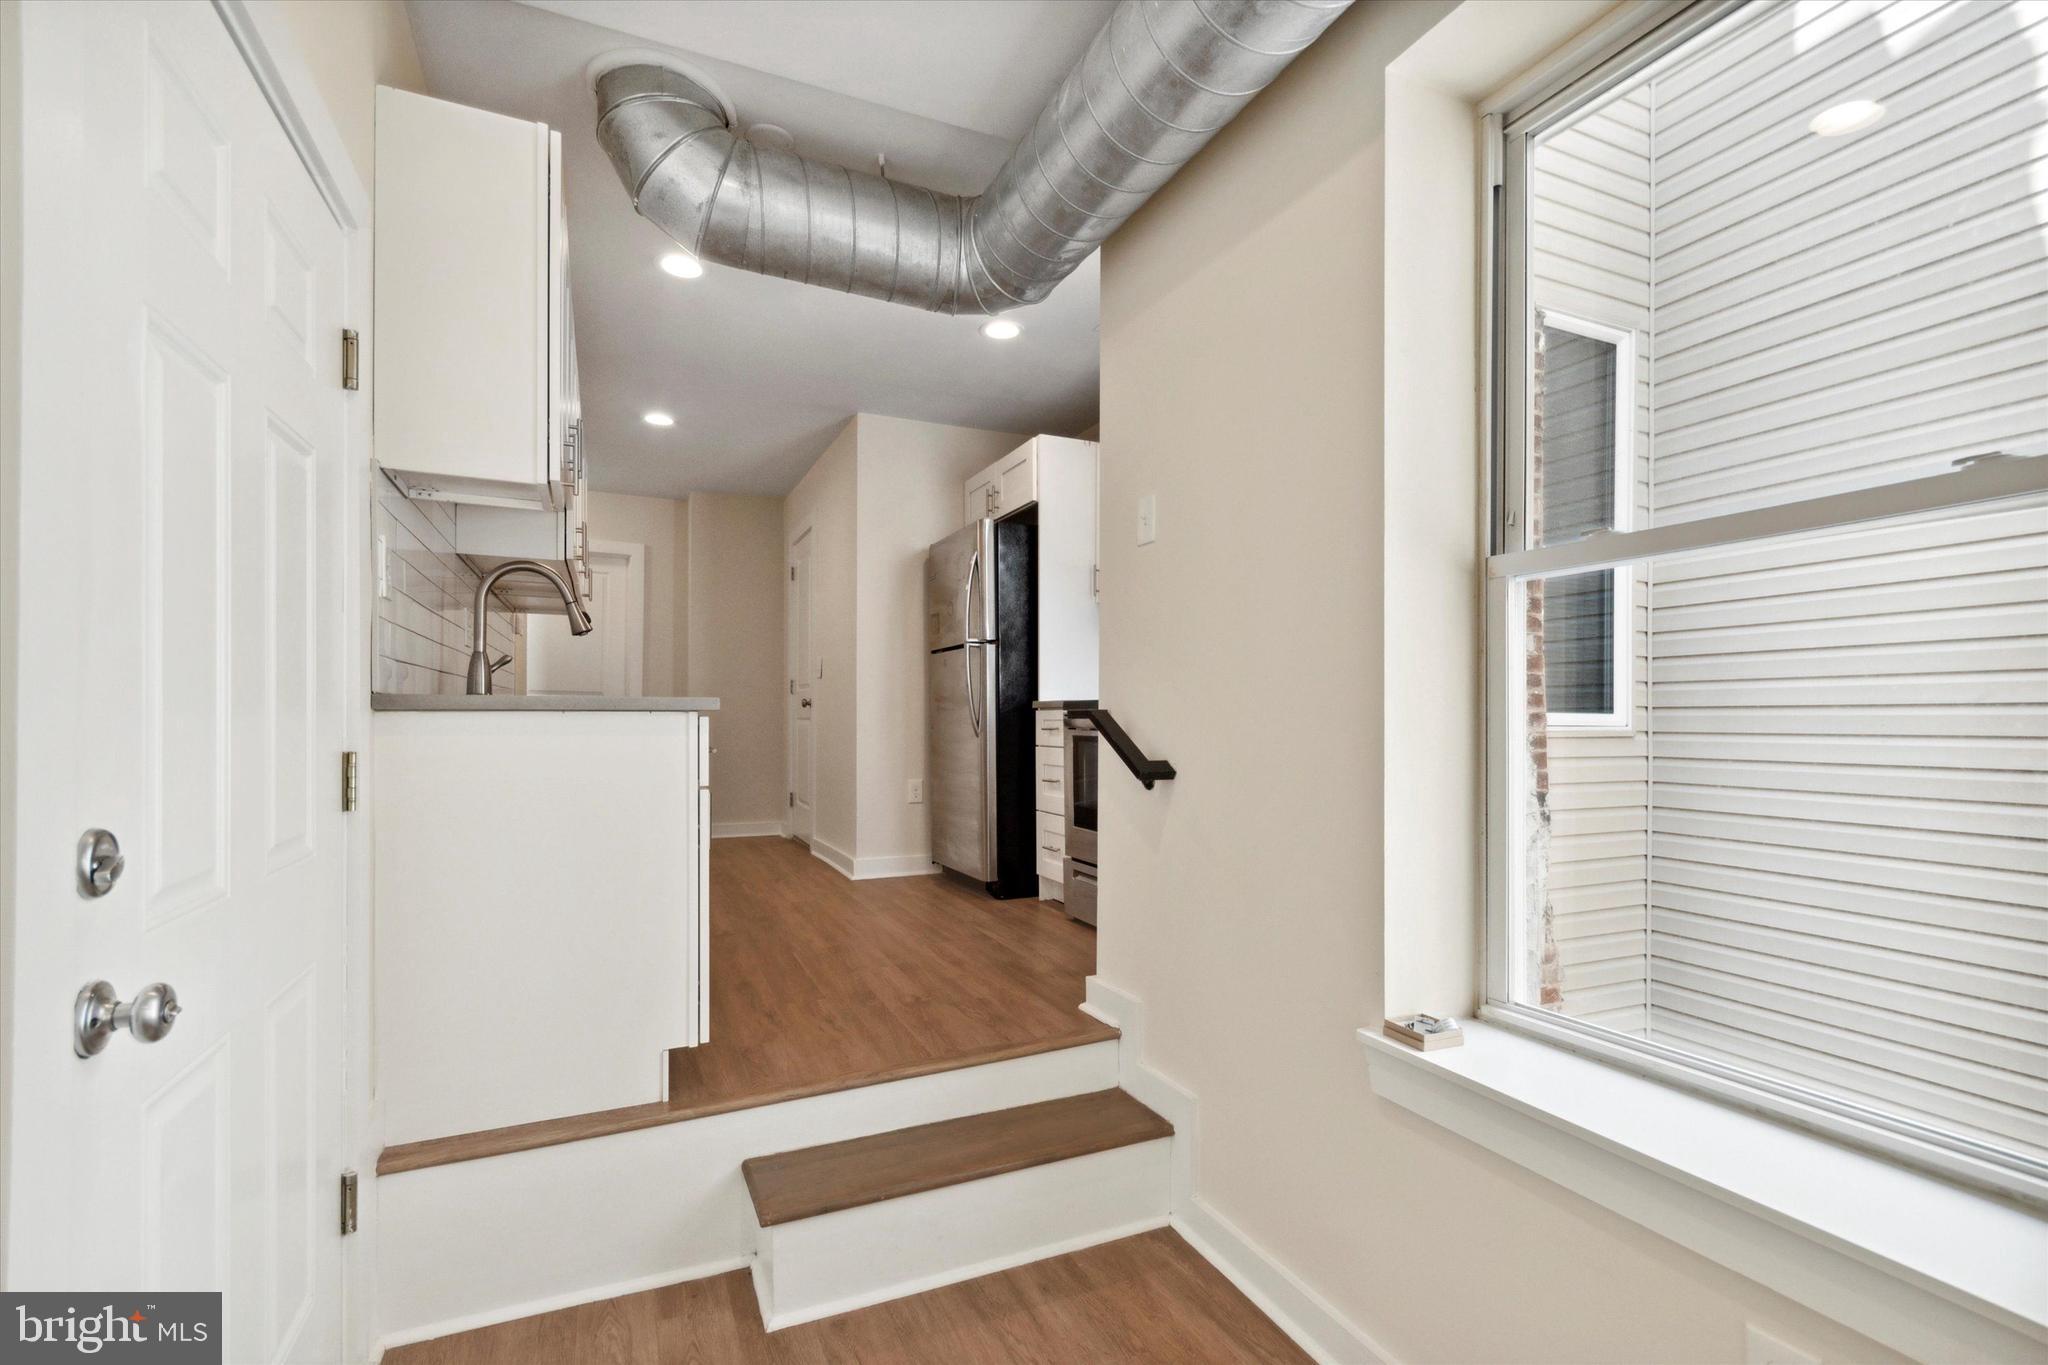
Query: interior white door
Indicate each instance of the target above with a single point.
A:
(606, 662)
(803, 695)
(180, 650)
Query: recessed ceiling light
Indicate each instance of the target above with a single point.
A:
(1842, 119)
(657, 419)
(682, 265)
(1000, 329)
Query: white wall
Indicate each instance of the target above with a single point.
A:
(822, 504)
(1263, 646)
(736, 655)
(911, 475)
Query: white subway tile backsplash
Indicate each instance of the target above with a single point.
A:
(420, 639)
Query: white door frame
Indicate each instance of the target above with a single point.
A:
(789, 672)
(635, 555)
(263, 35)
(536, 650)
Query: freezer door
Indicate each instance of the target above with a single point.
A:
(957, 689)
(959, 587)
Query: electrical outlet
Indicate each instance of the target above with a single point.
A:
(1148, 518)
(383, 568)
(1761, 1348)
(916, 791)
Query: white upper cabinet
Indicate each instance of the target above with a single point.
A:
(475, 383)
(1009, 485)
(1057, 476)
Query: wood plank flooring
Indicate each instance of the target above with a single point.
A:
(821, 984)
(817, 978)
(1148, 1298)
(845, 1175)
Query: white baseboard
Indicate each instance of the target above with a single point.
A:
(899, 865)
(1296, 1309)
(867, 869)
(839, 860)
(534, 1307)
(1306, 1316)
(745, 829)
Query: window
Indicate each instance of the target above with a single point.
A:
(1582, 481)
(1768, 603)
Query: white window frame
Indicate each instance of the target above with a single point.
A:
(1621, 717)
(1974, 481)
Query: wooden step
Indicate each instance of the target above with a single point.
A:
(802, 1184)
(442, 1151)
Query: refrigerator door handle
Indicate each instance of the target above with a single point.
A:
(967, 662)
(967, 599)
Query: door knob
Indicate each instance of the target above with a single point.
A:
(100, 863)
(98, 1015)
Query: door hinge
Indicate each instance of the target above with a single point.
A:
(792, 573)
(792, 800)
(351, 359)
(350, 784)
(348, 1202)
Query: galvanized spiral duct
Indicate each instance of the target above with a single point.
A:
(1159, 80)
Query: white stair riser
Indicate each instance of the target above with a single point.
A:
(478, 1242)
(816, 1267)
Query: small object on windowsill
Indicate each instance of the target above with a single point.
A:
(1425, 1032)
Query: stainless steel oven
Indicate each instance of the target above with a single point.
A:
(1083, 759)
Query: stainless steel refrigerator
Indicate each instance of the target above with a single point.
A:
(979, 672)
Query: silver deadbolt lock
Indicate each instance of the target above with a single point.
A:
(99, 863)
(98, 1015)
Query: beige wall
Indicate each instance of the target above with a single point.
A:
(351, 47)
(822, 505)
(1291, 643)
(911, 478)
(651, 523)
(882, 492)
(734, 622)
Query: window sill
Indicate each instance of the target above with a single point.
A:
(1930, 1269)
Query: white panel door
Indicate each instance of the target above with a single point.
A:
(803, 696)
(180, 655)
(607, 661)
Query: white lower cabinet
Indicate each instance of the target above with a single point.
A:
(541, 909)
(1052, 847)
(1050, 779)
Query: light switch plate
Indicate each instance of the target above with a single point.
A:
(1148, 518)
(1761, 1348)
(916, 791)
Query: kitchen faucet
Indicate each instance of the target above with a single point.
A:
(480, 669)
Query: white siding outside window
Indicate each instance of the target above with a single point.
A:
(1821, 850)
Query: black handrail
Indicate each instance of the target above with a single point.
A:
(1146, 770)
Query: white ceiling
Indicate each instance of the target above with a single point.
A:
(760, 373)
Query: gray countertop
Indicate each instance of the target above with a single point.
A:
(1089, 705)
(447, 701)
